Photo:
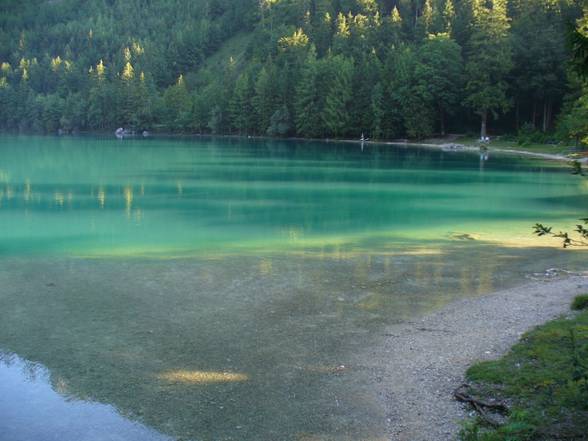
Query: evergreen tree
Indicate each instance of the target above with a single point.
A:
(308, 99)
(410, 97)
(322, 14)
(367, 73)
(377, 109)
(574, 121)
(539, 52)
(240, 106)
(336, 115)
(489, 61)
(144, 100)
(100, 99)
(448, 16)
(265, 98)
(393, 27)
(425, 20)
(181, 65)
(177, 106)
(127, 97)
(280, 124)
(441, 73)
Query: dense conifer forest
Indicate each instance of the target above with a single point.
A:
(312, 68)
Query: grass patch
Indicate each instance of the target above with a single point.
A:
(544, 379)
(580, 302)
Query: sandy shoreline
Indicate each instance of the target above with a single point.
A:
(457, 147)
(424, 360)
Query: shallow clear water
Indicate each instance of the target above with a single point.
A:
(215, 289)
(36, 407)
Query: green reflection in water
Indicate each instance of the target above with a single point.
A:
(83, 196)
(293, 257)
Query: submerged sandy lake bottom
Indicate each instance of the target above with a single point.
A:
(212, 290)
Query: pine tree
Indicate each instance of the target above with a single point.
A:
(489, 61)
(367, 73)
(145, 94)
(265, 98)
(100, 99)
(539, 50)
(410, 98)
(441, 73)
(574, 122)
(425, 20)
(448, 16)
(177, 106)
(308, 103)
(127, 97)
(395, 26)
(377, 109)
(336, 115)
(322, 25)
(240, 105)
(280, 124)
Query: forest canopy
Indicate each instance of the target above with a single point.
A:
(311, 68)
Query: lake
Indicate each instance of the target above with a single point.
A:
(223, 289)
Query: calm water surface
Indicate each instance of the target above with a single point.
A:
(221, 290)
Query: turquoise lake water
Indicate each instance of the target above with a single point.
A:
(219, 289)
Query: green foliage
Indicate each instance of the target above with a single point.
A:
(528, 135)
(520, 427)
(545, 377)
(377, 106)
(412, 94)
(310, 94)
(441, 73)
(489, 60)
(240, 106)
(539, 59)
(336, 115)
(579, 237)
(280, 123)
(580, 302)
(574, 121)
(579, 44)
(328, 68)
(266, 97)
(175, 111)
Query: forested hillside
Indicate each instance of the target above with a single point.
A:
(312, 68)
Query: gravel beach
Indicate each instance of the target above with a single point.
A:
(425, 360)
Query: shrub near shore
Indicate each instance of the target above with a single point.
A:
(544, 382)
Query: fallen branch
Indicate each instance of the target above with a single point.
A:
(461, 394)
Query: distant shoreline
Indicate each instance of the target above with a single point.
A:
(457, 147)
(448, 146)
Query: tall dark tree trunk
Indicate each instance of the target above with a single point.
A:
(534, 117)
(545, 116)
(518, 115)
(483, 131)
(442, 120)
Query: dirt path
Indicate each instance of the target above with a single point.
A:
(425, 360)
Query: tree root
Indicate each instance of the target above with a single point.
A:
(461, 394)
